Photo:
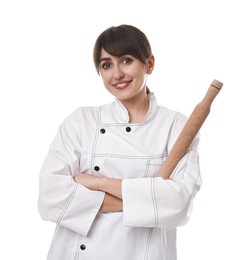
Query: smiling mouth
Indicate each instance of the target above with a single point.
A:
(122, 85)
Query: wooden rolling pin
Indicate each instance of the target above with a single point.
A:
(189, 131)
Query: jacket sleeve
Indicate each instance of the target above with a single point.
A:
(61, 200)
(155, 202)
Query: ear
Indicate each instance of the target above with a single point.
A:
(150, 64)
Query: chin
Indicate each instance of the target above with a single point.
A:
(121, 94)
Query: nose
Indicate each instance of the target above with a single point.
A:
(118, 72)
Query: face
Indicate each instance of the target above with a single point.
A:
(124, 77)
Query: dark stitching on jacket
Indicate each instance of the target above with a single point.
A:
(154, 202)
(187, 161)
(154, 115)
(198, 168)
(146, 122)
(68, 203)
(77, 254)
(95, 141)
(146, 254)
(146, 168)
(117, 113)
(130, 156)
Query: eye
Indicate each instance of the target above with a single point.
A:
(106, 65)
(127, 60)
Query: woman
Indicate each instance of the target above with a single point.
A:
(99, 180)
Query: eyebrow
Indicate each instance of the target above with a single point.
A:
(104, 59)
(109, 59)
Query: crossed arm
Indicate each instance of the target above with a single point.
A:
(112, 187)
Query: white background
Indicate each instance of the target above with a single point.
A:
(46, 72)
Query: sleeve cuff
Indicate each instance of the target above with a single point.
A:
(82, 209)
(138, 200)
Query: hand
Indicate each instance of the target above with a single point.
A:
(89, 181)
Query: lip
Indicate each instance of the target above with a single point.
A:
(121, 85)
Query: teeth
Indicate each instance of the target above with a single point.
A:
(121, 85)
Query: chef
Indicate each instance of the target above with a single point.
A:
(99, 181)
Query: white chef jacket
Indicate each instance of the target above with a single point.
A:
(102, 142)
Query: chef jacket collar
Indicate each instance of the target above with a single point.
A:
(122, 113)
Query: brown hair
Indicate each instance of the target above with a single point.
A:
(121, 40)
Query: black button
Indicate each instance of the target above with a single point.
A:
(97, 168)
(102, 131)
(82, 247)
(128, 129)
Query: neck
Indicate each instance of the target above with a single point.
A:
(137, 107)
